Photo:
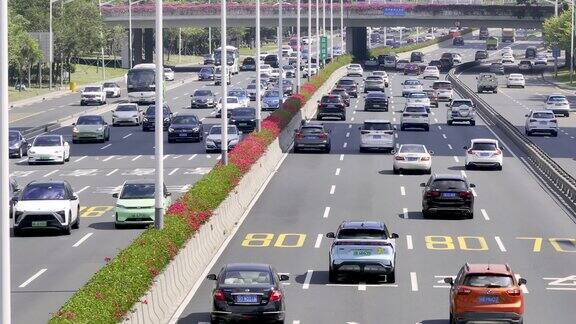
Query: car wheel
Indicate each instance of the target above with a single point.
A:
(427, 128)
(567, 115)
(76, 224)
(170, 141)
(67, 230)
(75, 141)
(67, 159)
(296, 150)
(429, 171)
(102, 140)
(473, 123)
(108, 137)
(327, 150)
(499, 167)
(215, 321)
(470, 215)
(16, 232)
(391, 278)
(332, 276)
(118, 225)
(319, 118)
(402, 128)
(362, 150)
(528, 133)
(495, 91)
(395, 170)
(20, 153)
(554, 134)
(449, 122)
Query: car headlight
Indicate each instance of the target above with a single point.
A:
(233, 141)
(62, 214)
(75, 130)
(145, 119)
(195, 129)
(210, 142)
(101, 128)
(170, 129)
(31, 152)
(15, 145)
(167, 119)
(232, 120)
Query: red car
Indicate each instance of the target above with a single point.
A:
(412, 69)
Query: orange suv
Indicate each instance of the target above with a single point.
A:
(486, 292)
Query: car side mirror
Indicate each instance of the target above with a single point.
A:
(284, 277)
(211, 277)
(422, 185)
(15, 198)
(115, 195)
(522, 281)
(29, 145)
(465, 147)
(449, 281)
(472, 185)
(526, 115)
(330, 235)
(74, 197)
(394, 236)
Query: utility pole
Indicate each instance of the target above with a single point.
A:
(224, 80)
(159, 122)
(299, 48)
(258, 80)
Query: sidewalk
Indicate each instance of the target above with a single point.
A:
(549, 78)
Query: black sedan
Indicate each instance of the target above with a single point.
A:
(376, 101)
(342, 93)
(312, 136)
(248, 64)
(447, 193)
(185, 127)
(250, 292)
(148, 122)
(206, 74)
(244, 119)
(18, 146)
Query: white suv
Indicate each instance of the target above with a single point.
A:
(431, 72)
(415, 117)
(418, 99)
(377, 134)
(410, 86)
(354, 69)
(541, 121)
(558, 104)
(93, 94)
(483, 152)
(443, 90)
(461, 110)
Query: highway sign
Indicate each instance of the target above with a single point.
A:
(395, 12)
(323, 47)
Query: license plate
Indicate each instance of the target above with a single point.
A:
(243, 124)
(311, 137)
(246, 299)
(376, 137)
(44, 157)
(39, 224)
(484, 154)
(361, 252)
(182, 135)
(559, 104)
(448, 194)
(412, 159)
(542, 123)
(376, 106)
(488, 299)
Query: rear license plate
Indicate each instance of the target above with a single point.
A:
(44, 157)
(243, 124)
(376, 137)
(182, 135)
(542, 123)
(39, 224)
(311, 137)
(484, 154)
(448, 194)
(412, 159)
(246, 299)
(361, 252)
(559, 104)
(376, 106)
(488, 300)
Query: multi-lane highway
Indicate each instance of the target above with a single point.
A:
(516, 222)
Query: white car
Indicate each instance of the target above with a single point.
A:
(456, 58)
(251, 88)
(442, 90)
(542, 59)
(558, 104)
(168, 74)
(305, 41)
(313, 70)
(412, 157)
(218, 76)
(377, 134)
(47, 205)
(213, 142)
(541, 121)
(354, 69)
(415, 117)
(401, 64)
(231, 104)
(429, 37)
(266, 68)
(275, 73)
(384, 76)
(337, 51)
(418, 99)
(126, 113)
(507, 50)
(112, 90)
(411, 85)
(515, 80)
(93, 94)
(508, 58)
(49, 148)
(431, 72)
(483, 152)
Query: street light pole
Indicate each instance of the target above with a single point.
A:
(257, 60)
(298, 48)
(309, 39)
(210, 38)
(572, 46)
(224, 80)
(317, 34)
(102, 48)
(5, 311)
(130, 56)
(342, 25)
(51, 45)
(324, 26)
(331, 30)
(159, 122)
(180, 45)
(280, 66)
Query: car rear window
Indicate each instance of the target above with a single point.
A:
(247, 277)
(484, 147)
(488, 280)
(457, 103)
(543, 115)
(91, 89)
(346, 82)
(415, 109)
(202, 93)
(127, 108)
(243, 112)
(557, 98)
(376, 95)
(412, 82)
(412, 149)
(418, 95)
(89, 120)
(362, 233)
(311, 130)
(186, 120)
(331, 99)
(449, 184)
(377, 126)
(442, 85)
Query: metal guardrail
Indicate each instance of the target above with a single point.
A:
(560, 182)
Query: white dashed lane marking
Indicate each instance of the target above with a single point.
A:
(332, 189)
(326, 212)
(414, 281)
(500, 244)
(318, 241)
(36, 275)
(484, 214)
(307, 279)
(402, 191)
(409, 244)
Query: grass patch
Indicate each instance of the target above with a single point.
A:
(186, 59)
(252, 51)
(564, 77)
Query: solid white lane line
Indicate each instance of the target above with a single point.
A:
(405, 213)
(450, 146)
(50, 173)
(23, 160)
(82, 158)
(409, 244)
(36, 275)
(337, 171)
(436, 120)
(439, 127)
(354, 112)
(306, 284)
(456, 159)
(414, 281)
(394, 119)
(500, 244)
(127, 135)
(318, 241)
(83, 189)
(362, 286)
(80, 241)
(111, 172)
(165, 156)
(345, 144)
(341, 157)
(444, 135)
(350, 126)
(108, 158)
(192, 157)
(402, 191)
(326, 212)
(347, 134)
(396, 135)
(137, 157)
(474, 192)
(173, 171)
(332, 189)
(105, 146)
(484, 214)
(463, 173)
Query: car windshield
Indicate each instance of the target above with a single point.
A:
(47, 141)
(375, 95)
(206, 70)
(354, 66)
(138, 191)
(185, 120)
(44, 191)
(379, 73)
(127, 108)
(418, 96)
(91, 89)
(377, 126)
(346, 82)
(152, 110)
(330, 99)
(217, 130)
(249, 60)
(412, 149)
(442, 85)
(449, 184)
(484, 146)
(403, 61)
(557, 98)
(271, 94)
(13, 136)
(411, 82)
(496, 65)
(311, 130)
(247, 277)
(167, 70)
(244, 112)
(373, 78)
(488, 280)
(237, 93)
(431, 68)
(415, 109)
(203, 93)
(362, 233)
(110, 85)
(89, 120)
(543, 115)
(487, 77)
(251, 86)
(232, 100)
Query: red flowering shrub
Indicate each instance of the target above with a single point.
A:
(247, 152)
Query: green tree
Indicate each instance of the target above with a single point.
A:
(556, 32)
(24, 50)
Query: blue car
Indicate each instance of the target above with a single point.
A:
(271, 100)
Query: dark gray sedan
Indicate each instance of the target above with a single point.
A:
(312, 136)
(17, 143)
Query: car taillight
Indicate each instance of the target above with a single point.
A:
(533, 120)
(465, 194)
(399, 158)
(554, 121)
(299, 136)
(219, 295)
(513, 292)
(464, 291)
(324, 136)
(425, 158)
(275, 295)
(433, 193)
(498, 152)
(470, 151)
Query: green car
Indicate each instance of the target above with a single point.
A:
(90, 128)
(135, 203)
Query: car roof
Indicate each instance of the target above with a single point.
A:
(516, 74)
(376, 121)
(543, 111)
(488, 268)
(140, 181)
(248, 266)
(47, 182)
(362, 224)
(448, 176)
(483, 140)
(49, 135)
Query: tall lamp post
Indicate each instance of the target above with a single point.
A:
(298, 48)
(317, 34)
(309, 39)
(5, 315)
(280, 66)
(342, 25)
(572, 45)
(210, 36)
(224, 81)
(51, 45)
(130, 40)
(258, 80)
(331, 30)
(159, 122)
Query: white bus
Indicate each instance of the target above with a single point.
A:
(140, 83)
(233, 58)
